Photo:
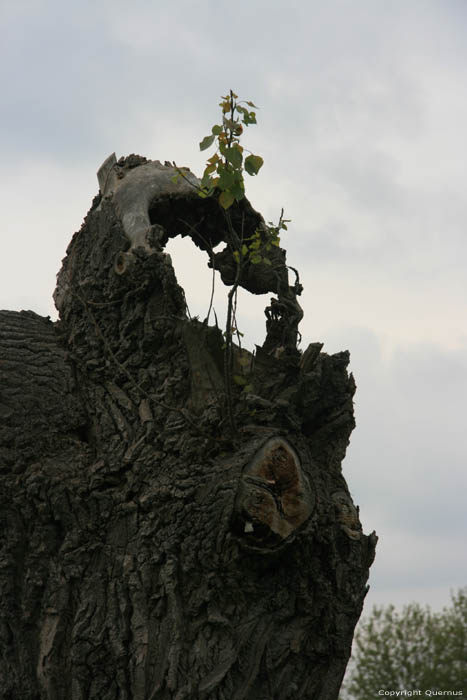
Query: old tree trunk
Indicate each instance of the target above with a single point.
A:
(167, 533)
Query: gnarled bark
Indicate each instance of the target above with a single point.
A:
(149, 551)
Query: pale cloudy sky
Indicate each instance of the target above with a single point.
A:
(362, 125)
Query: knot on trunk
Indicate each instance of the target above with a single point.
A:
(274, 497)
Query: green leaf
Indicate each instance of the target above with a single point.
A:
(255, 259)
(244, 249)
(211, 168)
(226, 199)
(175, 177)
(248, 388)
(206, 180)
(267, 261)
(253, 164)
(238, 379)
(226, 178)
(236, 255)
(216, 129)
(238, 189)
(234, 156)
(230, 124)
(249, 118)
(206, 142)
(250, 104)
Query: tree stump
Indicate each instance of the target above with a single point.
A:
(152, 548)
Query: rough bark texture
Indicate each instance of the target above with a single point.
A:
(147, 550)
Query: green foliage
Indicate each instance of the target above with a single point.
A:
(223, 179)
(223, 174)
(412, 650)
(255, 247)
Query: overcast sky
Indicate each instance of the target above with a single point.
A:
(363, 129)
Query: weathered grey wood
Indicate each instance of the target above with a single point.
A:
(148, 552)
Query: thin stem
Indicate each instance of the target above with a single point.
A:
(213, 287)
(208, 245)
(228, 358)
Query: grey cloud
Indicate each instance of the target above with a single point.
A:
(406, 462)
